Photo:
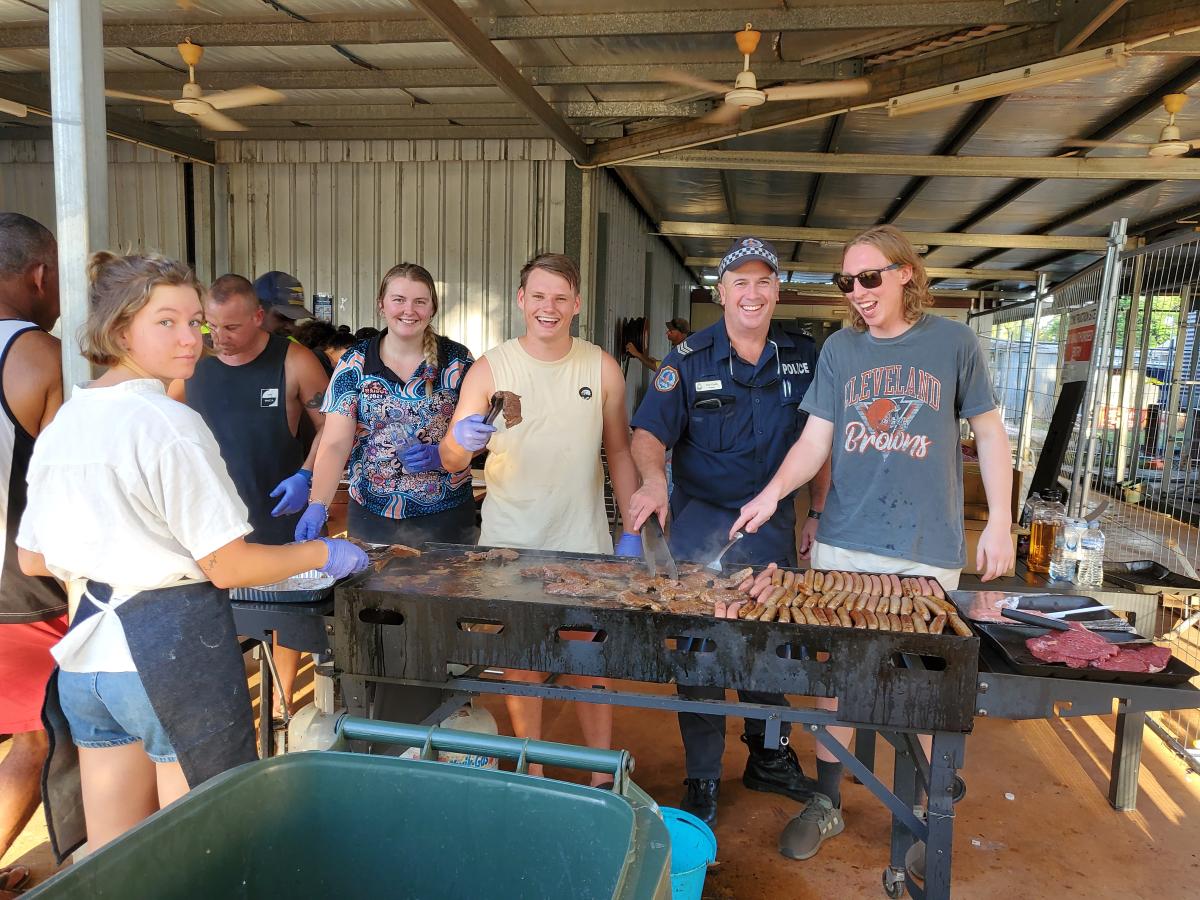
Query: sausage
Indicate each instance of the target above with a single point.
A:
(919, 625)
(811, 600)
(938, 623)
(873, 584)
(762, 579)
(754, 611)
(896, 590)
(822, 616)
(836, 600)
(808, 578)
(905, 588)
(923, 583)
(746, 609)
(920, 609)
(770, 611)
(776, 576)
(872, 619)
(785, 614)
(906, 605)
(937, 589)
(818, 580)
(961, 628)
(833, 581)
(745, 584)
(883, 605)
(858, 618)
(897, 624)
(776, 595)
(907, 623)
(810, 617)
(886, 584)
(844, 618)
(894, 605)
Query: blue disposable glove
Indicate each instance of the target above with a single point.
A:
(472, 433)
(310, 524)
(629, 545)
(344, 558)
(294, 491)
(421, 458)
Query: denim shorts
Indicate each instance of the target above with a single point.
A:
(111, 709)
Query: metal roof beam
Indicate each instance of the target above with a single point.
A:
(711, 262)
(978, 117)
(1124, 168)
(953, 14)
(463, 33)
(820, 235)
(1080, 18)
(121, 127)
(1146, 19)
(829, 144)
(402, 132)
(409, 111)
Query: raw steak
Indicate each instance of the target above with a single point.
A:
(512, 407)
(1078, 647)
(1136, 659)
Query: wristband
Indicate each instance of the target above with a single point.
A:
(814, 514)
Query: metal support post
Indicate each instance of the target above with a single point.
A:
(1127, 758)
(1101, 365)
(80, 162)
(1167, 422)
(1135, 292)
(1140, 394)
(1023, 432)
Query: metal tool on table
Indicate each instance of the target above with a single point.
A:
(715, 565)
(1112, 623)
(655, 553)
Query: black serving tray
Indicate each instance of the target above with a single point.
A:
(1010, 640)
(1147, 576)
(1039, 603)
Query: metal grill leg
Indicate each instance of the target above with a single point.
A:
(266, 734)
(1127, 758)
(904, 786)
(947, 758)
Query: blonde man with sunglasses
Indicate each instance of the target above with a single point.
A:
(885, 406)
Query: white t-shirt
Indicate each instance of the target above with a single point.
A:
(128, 488)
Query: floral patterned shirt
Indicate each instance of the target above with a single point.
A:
(392, 413)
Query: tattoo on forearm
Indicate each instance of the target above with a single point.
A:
(209, 563)
(318, 399)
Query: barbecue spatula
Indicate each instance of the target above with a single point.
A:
(655, 553)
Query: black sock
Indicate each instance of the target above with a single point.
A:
(829, 781)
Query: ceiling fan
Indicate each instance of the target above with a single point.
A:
(745, 93)
(1169, 142)
(206, 108)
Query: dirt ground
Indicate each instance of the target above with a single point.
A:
(1057, 837)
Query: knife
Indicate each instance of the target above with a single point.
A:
(655, 552)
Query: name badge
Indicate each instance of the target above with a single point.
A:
(708, 385)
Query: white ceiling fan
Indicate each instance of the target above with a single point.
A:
(1169, 142)
(206, 108)
(745, 93)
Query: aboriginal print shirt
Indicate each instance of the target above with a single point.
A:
(392, 414)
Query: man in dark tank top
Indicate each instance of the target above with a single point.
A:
(253, 392)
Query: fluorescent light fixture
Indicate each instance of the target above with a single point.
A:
(1068, 68)
(20, 110)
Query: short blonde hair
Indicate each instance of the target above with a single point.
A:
(120, 286)
(896, 248)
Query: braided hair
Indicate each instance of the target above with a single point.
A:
(429, 343)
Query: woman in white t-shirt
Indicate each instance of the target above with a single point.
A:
(130, 500)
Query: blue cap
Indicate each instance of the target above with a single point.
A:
(283, 293)
(748, 249)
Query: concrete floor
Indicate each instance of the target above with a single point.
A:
(1056, 838)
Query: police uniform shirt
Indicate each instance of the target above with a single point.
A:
(729, 423)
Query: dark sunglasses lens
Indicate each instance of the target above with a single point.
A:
(845, 283)
(869, 279)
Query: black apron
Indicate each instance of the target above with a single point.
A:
(184, 644)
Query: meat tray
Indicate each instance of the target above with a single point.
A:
(307, 587)
(1147, 576)
(1010, 640)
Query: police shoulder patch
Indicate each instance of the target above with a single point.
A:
(667, 379)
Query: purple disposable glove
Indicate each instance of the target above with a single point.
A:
(294, 491)
(472, 433)
(421, 458)
(629, 545)
(310, 524)
(344, 558)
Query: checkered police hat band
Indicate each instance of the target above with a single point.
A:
(754, 252)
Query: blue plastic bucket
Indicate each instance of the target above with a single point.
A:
(693, 847)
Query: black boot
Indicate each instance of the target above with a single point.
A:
(776, 771)
(701, 798)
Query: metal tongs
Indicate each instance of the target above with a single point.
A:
(495, 409)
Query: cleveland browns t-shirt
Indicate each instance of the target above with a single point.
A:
(895, 404)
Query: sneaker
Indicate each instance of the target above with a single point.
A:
(914, 861)
(803, 836)
(776, 771)
(701, 798)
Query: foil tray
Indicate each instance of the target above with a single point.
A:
(307, 587)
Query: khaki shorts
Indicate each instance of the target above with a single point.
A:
(828, 557)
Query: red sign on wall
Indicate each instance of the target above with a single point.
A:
(1081, 334)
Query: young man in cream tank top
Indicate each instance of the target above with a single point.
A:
(545, 483)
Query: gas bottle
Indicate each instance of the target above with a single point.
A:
(466, 718)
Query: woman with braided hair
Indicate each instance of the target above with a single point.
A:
(389, 404)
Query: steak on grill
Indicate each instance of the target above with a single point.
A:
(1136, 659)
(1078, 648)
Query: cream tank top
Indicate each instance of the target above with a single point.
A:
(545, 483)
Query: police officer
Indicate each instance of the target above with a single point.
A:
(726, 403)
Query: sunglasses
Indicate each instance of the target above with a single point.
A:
(868, 278)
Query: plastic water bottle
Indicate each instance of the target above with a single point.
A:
(1090, 572)
(1065, 556)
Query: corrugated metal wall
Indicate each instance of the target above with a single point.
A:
(145, 194)
(337, 215)
(634, 273)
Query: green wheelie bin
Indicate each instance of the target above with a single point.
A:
(336, 824)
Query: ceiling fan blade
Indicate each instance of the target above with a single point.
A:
(216, 121)
(141, 98)
(1125, 145)
(721, 114)
(851, 87)
(12, 108)
(703, 84)
(250, 95)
